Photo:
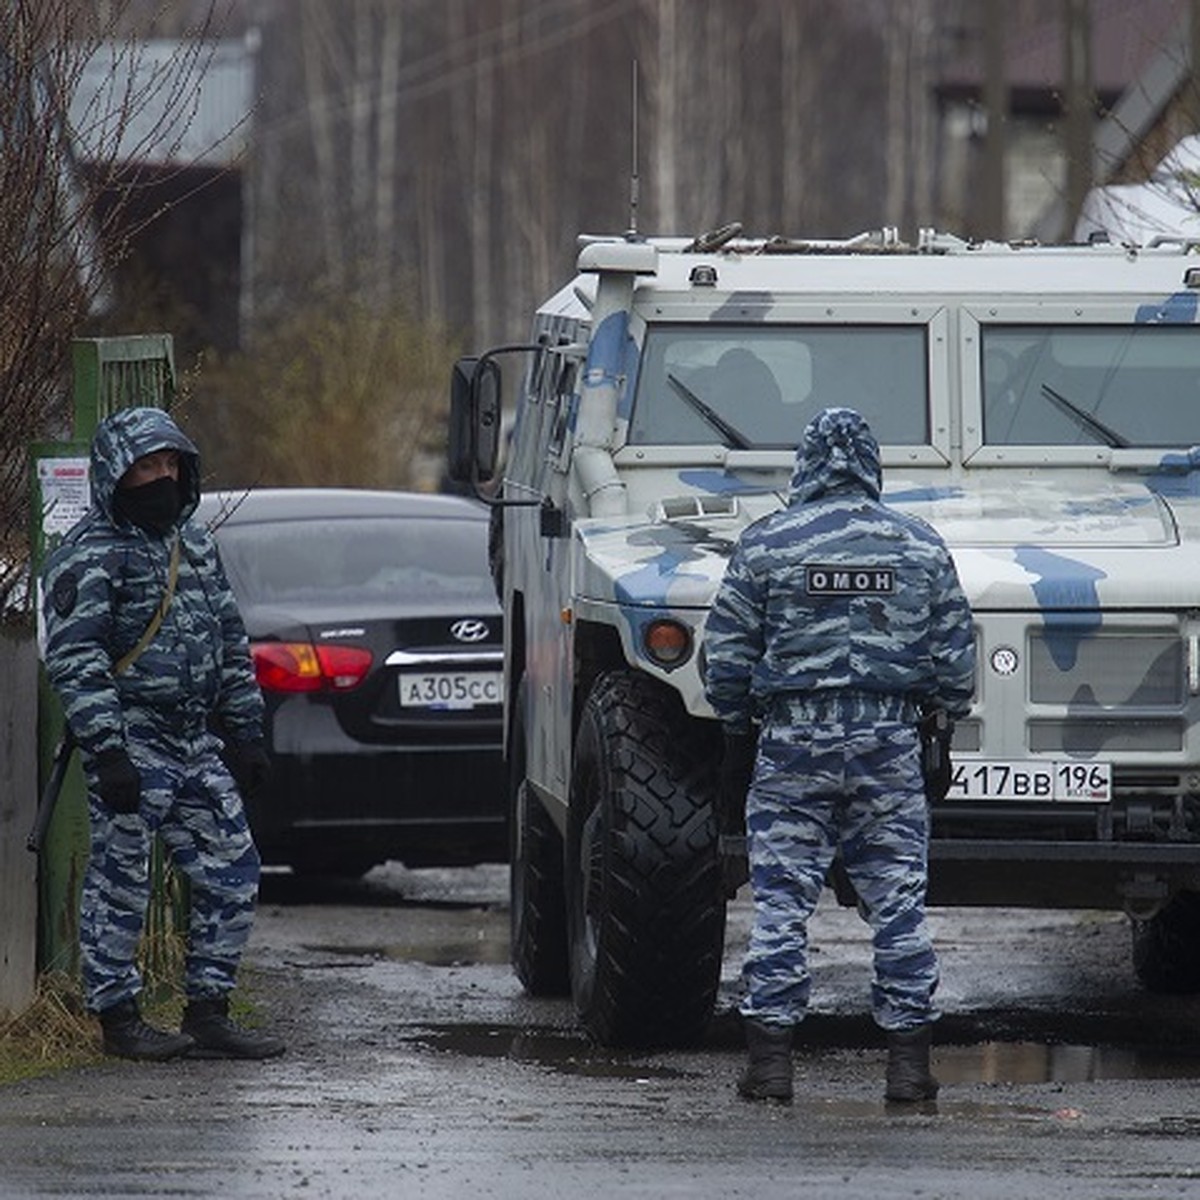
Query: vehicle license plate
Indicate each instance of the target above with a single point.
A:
(1031, 781)
(451, 689)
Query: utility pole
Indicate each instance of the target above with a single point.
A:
(1079, 101)
(993, 209)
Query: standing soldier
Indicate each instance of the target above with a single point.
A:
(144, 644)
(840, 623)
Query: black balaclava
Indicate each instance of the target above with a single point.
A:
(154, 506)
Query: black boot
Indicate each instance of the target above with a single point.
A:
(216, 1036)
(768, 1074)
(908, 1075)
(126, 1035)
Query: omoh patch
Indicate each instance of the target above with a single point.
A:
(849, 580)
(64, 593)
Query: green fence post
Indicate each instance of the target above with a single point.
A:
(60, 496)
(108, 374)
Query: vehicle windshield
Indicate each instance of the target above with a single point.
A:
(364, 558)
(757, 388)
(1100, 385)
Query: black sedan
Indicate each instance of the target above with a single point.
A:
(376, 638)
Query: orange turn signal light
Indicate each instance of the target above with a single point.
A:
(668, 643)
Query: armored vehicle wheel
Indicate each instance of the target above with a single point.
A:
(646, 915)
(1166, 949)
(537, 908)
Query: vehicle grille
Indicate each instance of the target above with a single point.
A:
(1124, 691)
(1086, 687)
(1084, 736)
(1089, 669)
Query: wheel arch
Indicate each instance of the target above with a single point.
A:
(598, 651)
(514, 658)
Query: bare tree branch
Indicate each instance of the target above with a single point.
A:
(55, 245)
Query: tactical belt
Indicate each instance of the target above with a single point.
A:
(845, 706)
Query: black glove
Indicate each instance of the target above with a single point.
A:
(937, 731)
(737, 769)
(117, 781)
(250, 766)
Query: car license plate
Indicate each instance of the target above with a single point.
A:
(1031, 781)
(451, 689)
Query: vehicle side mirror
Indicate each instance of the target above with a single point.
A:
(475, 402)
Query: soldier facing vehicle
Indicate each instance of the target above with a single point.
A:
(839, 623)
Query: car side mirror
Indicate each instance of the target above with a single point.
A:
(475, 408)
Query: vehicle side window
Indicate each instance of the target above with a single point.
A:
(561, 402)
(531, 419)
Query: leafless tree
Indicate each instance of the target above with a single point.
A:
(72, 76)
(1132, 171)
(449, 151)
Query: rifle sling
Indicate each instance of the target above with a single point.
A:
(127, 660)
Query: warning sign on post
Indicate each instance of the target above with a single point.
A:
(65, 494)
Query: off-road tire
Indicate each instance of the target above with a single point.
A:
(1166, 948)
(646, 912)
(537, 895)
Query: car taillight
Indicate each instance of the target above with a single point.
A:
(303, 667)
(344, 666)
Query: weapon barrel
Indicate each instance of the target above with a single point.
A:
(50, 793)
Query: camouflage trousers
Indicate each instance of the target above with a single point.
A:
(190, 800)
(821, 787)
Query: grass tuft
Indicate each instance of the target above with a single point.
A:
(56, 1032)
(52, 1034)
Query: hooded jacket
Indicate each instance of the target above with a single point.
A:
(838, 593)
(100, 589)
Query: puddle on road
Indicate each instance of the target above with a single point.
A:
(1035, 1062)
(566, 1053)
(987, 1062)
(469, 952)
(1017, 1060)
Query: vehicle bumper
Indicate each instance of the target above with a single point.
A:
(422, 807)
(1062, 874)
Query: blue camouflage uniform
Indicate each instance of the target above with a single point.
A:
(101, 587)
(838, 621)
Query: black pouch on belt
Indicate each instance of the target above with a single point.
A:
(937, 731)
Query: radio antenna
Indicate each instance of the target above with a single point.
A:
(633, 178)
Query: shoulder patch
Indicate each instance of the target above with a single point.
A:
(64, 593)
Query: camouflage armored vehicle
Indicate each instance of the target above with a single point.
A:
(1039, 405)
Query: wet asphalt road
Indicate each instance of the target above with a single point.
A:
(416, 1067)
